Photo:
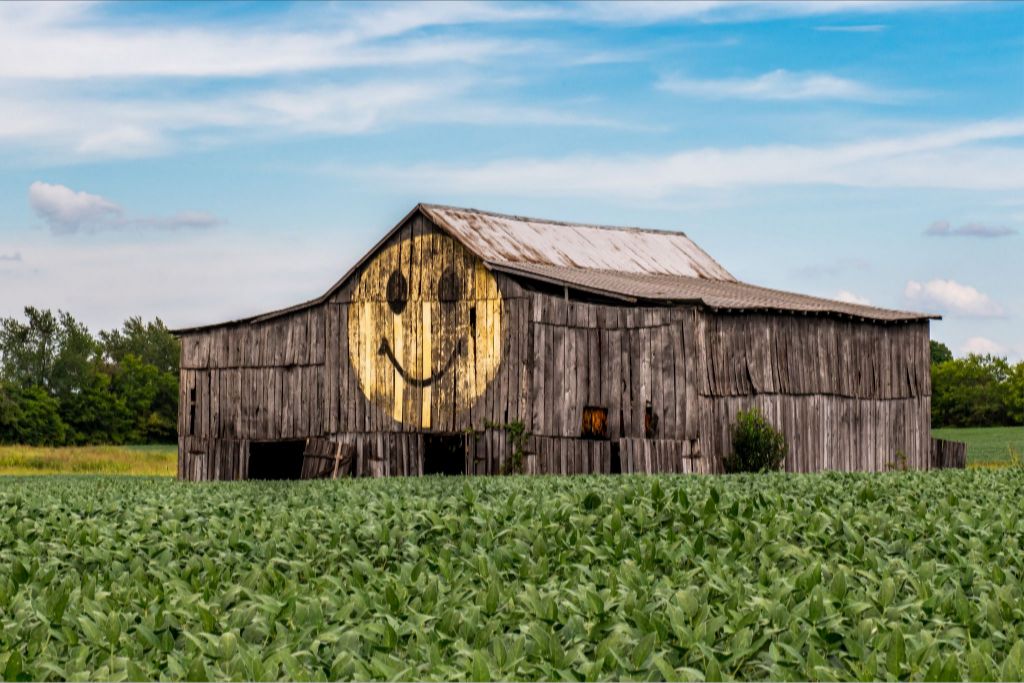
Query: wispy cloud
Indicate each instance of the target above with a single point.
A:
(851, 298)
(38, 43)
(14, 257)
(66, 212)
(832, 268)
(945, 158)
(945, 229)
(85, 128)
(776, 85)
(983, 346)
(950, 296)
(852, 28)
(657, 11)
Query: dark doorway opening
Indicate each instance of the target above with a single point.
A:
(276, 459)
(616, 467)
(444, 454)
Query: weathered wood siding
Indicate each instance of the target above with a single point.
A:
(848, 395)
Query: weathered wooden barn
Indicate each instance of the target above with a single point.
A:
(479, 343)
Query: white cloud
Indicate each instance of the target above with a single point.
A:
(851, 298)
(983, 346)
(950, 296)
(13, 257)
(945, 158)
(46, 44)
(776, 85)
(945, 229)
(66, 211)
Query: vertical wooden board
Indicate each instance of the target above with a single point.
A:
(656, 389)
(508, 405)
(203, 403)
(678, 378)
(538, 362)
(666, 370)
(612, 385)
(645, 353)
(300, 397)
(235, 378)
(213, 429)
(335, 366)
(561, 395)
(700, 346)
(311, 401)
(519, 388)
(596, 357)
(692, 361)
(552, 383)
(526, 359)
(278, 408)
(294, 397)
(266, 402)
(569, 370)
(639, 392)
(292, 388)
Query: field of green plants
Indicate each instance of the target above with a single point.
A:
(838, 576)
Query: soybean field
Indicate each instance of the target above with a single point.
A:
(909, 576)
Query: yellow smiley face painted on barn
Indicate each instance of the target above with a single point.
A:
(424, 329)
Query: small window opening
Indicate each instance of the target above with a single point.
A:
(472, 319)
(444, 454)
(616, 467)
(650, 422)
(192, 412)
(595, 423)
(276, 459)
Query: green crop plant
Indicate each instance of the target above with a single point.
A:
(908, 576)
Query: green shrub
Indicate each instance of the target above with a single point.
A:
(756, 445)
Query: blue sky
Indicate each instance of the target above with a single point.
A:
(201, 162)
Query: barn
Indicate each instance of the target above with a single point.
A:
(471, 342)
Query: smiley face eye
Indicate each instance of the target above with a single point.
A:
(398, 292)
(448, 289)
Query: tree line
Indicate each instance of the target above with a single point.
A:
(60, 385)
(976, 390)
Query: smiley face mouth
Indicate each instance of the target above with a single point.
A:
(385, 350)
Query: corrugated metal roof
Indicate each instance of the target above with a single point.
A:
(501, 239)
(633, 264)
(715, 294)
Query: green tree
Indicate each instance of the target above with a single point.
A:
(29, 350)
(30, 416)
(62, 384)
(940, 352)
(144, 361)
(1016, 394)
(972, 392)
(152, 343)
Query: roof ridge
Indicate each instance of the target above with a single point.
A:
(552, 221)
